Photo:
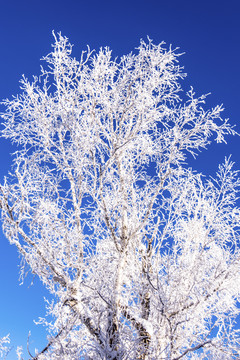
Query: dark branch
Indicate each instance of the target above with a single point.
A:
(193, 349)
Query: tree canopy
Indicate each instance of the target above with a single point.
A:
(139, 252)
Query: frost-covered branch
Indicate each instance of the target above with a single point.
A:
(4, 348)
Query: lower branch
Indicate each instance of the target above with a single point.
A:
(144, 336)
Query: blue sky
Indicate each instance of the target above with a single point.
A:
(207, 31)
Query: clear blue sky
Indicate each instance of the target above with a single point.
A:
(208, 31)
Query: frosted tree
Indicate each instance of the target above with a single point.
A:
(139, 252)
